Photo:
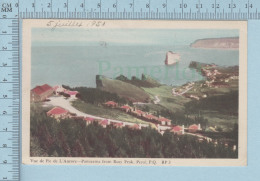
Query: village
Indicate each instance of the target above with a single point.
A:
(214, 79)
(59, 100)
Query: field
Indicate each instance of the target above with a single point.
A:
(123, 89)
(225, 122)
(105, 112)
(167, 100)
(214, 115)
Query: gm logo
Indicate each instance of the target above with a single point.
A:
(6, 7)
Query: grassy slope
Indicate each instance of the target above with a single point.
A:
(167, 99)
(174, 103)
(126, 90)
(197, 90)
(105, 112)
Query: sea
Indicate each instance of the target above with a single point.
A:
(78, 65)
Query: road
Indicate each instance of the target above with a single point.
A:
(66, 104)
(157, 100)
(179, 94)
(200, 136)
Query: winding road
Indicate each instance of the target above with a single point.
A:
(66, 104)
(157, 100)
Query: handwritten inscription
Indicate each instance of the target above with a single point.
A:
(53, 24)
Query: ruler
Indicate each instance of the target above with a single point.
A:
(13, 11)
(9, 91)
(142, 9)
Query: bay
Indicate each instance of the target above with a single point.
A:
(79, 65)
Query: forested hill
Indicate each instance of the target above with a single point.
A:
(72, 138)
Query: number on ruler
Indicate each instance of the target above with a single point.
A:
(4, 48)
(33, 5)
(198, 6)
(114, 5)
(147, 5)
(183, 5)
(4, 80)
(4, 96)
(4, 145)
(65, 5)
(4, 178)
(5, 162)
(82, 5)
(4, 64)
(213, 5)
(232, 5)
(249, 5)
(131, 5)
(5, 129)
(49, 5)
(164, 5)
(99, 5)
(4, 112)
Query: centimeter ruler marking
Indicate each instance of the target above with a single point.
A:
(12, 11)
(9, 91)
(141, 9)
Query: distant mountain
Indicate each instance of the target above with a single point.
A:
(217, 43)
(123, 89)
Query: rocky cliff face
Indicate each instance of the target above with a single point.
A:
(217, 43)
(99, 81)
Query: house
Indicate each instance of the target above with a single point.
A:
(194, 97)
(72, 94)
(134, 126)
(151, 117)
(111, 104)
(161, 129)
(211, 129)
(89, 120)
(235, 77)
(126, 108)
(234, 147)
(104, 123)
(204, 95)
(220, 85)
(194, 128)
(41, 93)
(58, 89)
(139, 113)
(178, 130)
(117, 124)
(164, 121)
(58, 113)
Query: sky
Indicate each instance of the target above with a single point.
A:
(121, 37)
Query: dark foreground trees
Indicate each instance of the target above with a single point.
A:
(72, 138)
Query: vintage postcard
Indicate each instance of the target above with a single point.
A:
(149, 93)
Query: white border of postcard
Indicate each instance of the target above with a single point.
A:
(125, 24)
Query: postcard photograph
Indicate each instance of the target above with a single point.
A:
(134, 92)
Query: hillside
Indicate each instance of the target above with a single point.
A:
(145, 81)
(217, 43)
(122, 89)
